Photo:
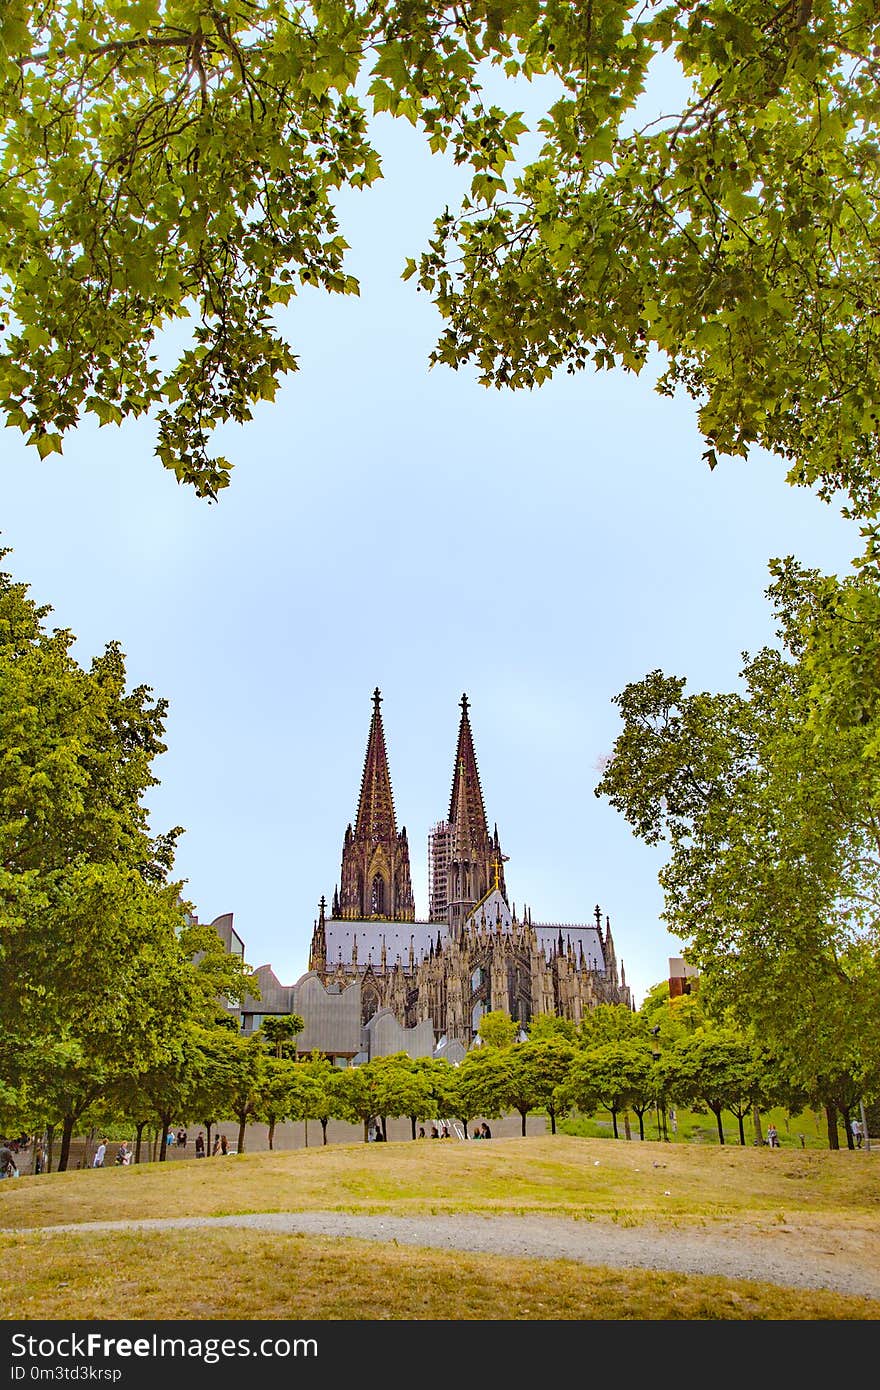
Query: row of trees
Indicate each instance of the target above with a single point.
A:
(107, 983)
(768, 801)
(615, 1061)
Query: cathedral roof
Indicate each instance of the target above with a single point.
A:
(580, 935)
(375, 813)
(467, 814)
(495, 907)
(341, 936)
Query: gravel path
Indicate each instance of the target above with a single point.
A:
(777, 1254)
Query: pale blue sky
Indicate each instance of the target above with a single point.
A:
(394, 526)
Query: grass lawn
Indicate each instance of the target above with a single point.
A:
(807, 1130)
(188, 1274)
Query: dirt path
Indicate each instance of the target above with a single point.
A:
(789, 1255)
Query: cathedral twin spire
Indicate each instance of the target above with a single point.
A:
(375, 879)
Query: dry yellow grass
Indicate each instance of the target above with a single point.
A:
(561, 1175)
(234, 1274)
(193, 1274)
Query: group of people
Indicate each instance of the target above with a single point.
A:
(480, 1132)
(220, 1145)
(122, 1159)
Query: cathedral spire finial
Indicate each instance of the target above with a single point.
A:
(375, 813)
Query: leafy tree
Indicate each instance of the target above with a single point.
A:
(278, 1094)
(544, 1026)
(314, 1092)
(534, 1074)
(280, 1032)
(93, 978)
(610, 1075)
(166, 161)
(497, 1029)
(221, 978)
(357, 1095)
(773, 876)
(477, 1085)
(608, 1023)
(716, 1067)
(671, 1018)
(248, 1069)
(401, 1089)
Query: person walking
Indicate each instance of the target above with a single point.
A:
(856, 1127)
(200, 1145)
(772, 1137)
(100, 1154)
(224, 1146)
(123, 1157)
(8, 1166)
(215, 1149)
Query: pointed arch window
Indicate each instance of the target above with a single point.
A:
(377, 897)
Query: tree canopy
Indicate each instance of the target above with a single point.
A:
(176, 159)
(770, 817)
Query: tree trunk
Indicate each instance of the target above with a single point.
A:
(50, 1146)
(165, 1121)
(523, 1114)
(242, 1126)
(626, 1129)
(717, 1114)
(324, 1130)
(271, 1135)
(831, 1117)
(366, 1129)
(742, 1132)
(66, 1136)
(756, 1120)
(552, 1114)
(208, 1127)
(614, 1123)
(138, 1136)
(847, 1128)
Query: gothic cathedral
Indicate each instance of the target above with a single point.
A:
(473, 953)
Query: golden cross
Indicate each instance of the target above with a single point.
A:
(497, 867)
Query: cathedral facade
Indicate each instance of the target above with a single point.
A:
(473, 953)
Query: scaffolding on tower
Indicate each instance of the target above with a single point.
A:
(439, 844)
